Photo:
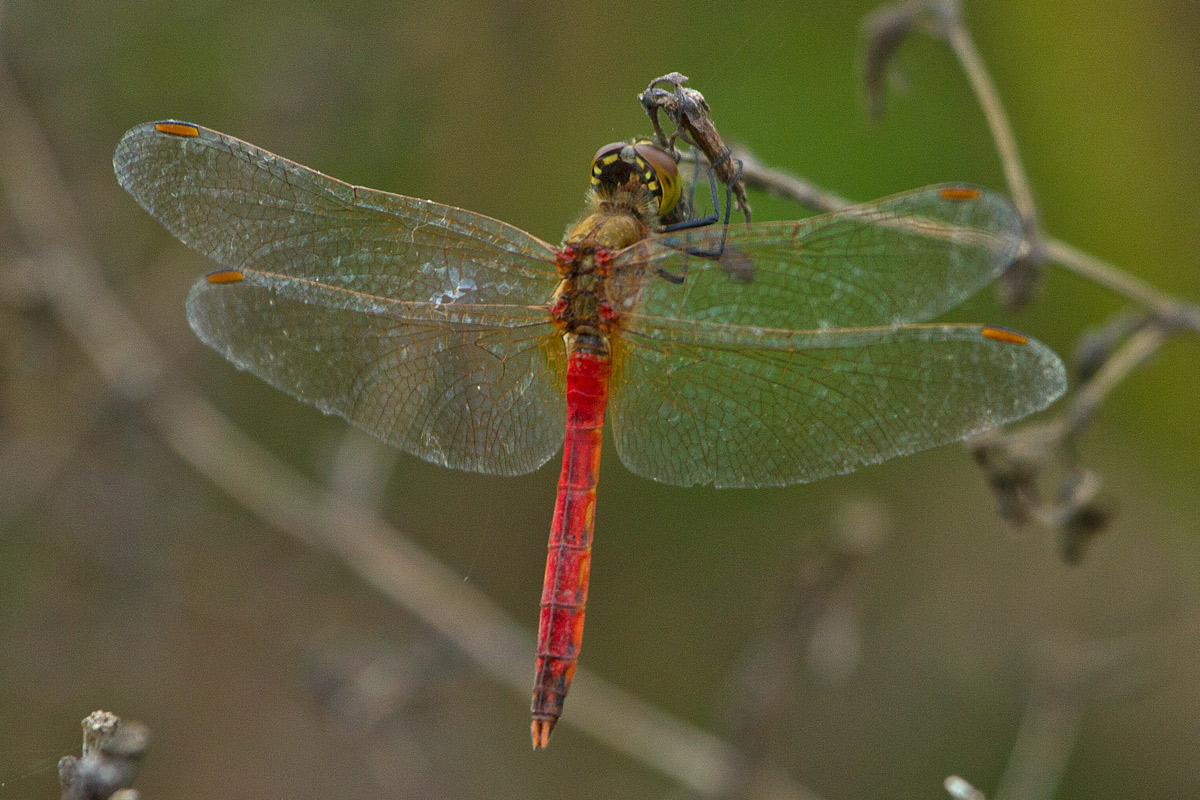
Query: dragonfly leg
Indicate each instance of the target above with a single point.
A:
(671, 277)
(719, 250)
(712, 218)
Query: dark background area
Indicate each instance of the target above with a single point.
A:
(264, 669)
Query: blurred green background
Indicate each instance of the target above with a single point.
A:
(130, 583)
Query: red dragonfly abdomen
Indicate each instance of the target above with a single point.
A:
(564, 593)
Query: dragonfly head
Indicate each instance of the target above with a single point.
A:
(640, 163)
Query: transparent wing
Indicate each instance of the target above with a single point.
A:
(460, 392)
(246, 208)
(775, 408)
(421, 323)
(896, 261)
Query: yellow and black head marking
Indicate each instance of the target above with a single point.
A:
(643, 163)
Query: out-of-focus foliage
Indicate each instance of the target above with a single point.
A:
(127, 582)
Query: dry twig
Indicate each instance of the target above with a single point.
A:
(689, 112)
(112, 755)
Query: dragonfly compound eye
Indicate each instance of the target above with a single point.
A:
(641, 162)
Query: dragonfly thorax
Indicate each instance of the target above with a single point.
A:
(613, 220)
(578, 306)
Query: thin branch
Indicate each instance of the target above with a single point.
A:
(384, 559)
(360, 468)
(1172, 311)
(1034, 443)
(134, 369)
(958, 36)
(1070, 673)
(1042, 749)
(787, 185)
(1016, 456)
(1137, 350)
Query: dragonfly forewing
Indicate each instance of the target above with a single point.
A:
(244, 208)
(900, 260)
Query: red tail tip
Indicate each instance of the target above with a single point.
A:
(541, 732)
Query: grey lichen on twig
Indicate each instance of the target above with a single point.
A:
(112, 754)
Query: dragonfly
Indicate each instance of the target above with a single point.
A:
(734, 355)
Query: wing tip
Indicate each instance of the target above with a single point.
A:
(1053, 383)
(128, 150)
